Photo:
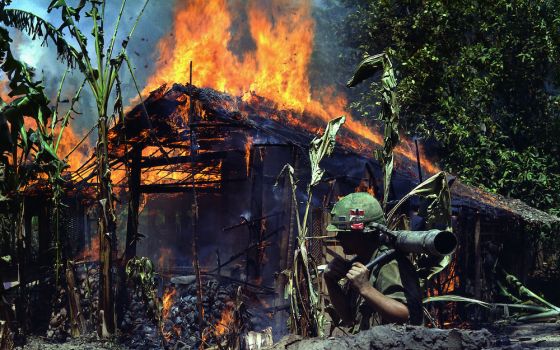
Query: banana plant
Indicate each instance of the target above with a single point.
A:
(389, 113)
(19, 144)
(527, 306)
(101, 70)
(306, 317)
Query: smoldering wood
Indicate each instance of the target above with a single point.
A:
(134, 182)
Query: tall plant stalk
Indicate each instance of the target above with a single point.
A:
(306, 317)
(389, 113)
(101, 71)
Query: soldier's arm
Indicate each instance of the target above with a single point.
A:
(389, 309)
(339, 301)
(336, 269)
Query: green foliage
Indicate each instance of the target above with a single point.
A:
(140, 272)
(528, 306)
(481, 80)
(140, 275)
(435, 192)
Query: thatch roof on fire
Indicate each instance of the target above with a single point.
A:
(219, 115)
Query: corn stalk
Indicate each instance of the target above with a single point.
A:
(306, 318)
(389, 114)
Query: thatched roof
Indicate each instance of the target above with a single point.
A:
(166, 122)
(497, 205)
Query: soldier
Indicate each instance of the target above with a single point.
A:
(388, 294)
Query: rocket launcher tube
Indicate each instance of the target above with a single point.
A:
(432, 242)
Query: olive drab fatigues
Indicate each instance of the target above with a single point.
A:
(397, 280)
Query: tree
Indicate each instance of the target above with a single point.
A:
(479, 80)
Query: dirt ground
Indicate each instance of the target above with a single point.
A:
(510, 337)
(83, 343)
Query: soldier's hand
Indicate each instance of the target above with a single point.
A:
(336, 269)
(358, 276)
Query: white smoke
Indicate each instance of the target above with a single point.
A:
(142, 49)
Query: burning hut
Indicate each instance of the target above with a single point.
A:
(186, 142)
(245, 223)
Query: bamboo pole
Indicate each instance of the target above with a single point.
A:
(194, 221)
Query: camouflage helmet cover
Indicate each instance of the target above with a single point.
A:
(355, 211)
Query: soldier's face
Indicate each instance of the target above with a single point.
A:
(351, 242)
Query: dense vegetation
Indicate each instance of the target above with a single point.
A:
(479, 79)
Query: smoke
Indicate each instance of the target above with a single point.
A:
(154, 24)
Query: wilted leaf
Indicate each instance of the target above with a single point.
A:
(323, 146)
(366, 69)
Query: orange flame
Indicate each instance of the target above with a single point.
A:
(248, 145)
(69, 140)
(5, 90)
(274, 67)
(365, 187)
(167, 302)
(223, 326)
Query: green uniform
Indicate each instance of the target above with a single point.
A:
(397, 280)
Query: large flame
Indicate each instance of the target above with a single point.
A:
(275, 68)
(272, 61)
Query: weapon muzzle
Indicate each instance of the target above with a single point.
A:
(432, 242)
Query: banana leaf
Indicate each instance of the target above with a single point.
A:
(456, 298)
(542, 312)
(524, 292)
(321, 147)
(540, 316)
(438, 214)
(389, 110)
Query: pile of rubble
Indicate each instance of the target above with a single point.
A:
(225, 317)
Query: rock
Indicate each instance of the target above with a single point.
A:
(184, 280)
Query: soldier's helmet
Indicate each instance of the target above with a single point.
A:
(354, 212)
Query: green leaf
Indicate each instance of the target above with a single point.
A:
(456, 298)
(56, 4)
